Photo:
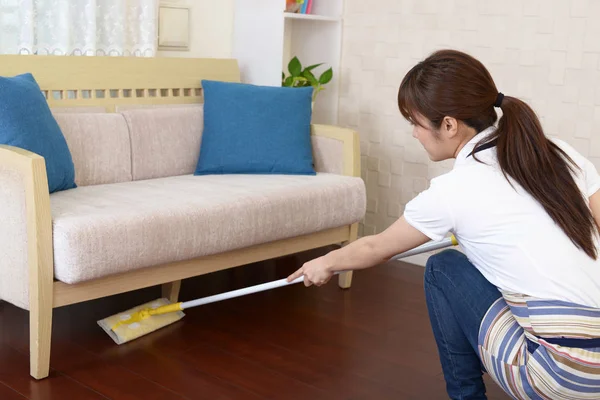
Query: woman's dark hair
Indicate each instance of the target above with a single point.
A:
(454, 84)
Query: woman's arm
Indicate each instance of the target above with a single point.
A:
(362, 253)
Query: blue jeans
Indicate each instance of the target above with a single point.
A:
(458, 297)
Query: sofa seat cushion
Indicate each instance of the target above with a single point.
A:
(108, 229)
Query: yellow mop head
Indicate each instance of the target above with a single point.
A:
(141, 320)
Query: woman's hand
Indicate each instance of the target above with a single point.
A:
(316, 272)
(362, 253)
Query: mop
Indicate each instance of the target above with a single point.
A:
(157, 314)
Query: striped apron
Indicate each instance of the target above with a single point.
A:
(542, 349)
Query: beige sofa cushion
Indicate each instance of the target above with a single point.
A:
(14, 280)
(81, 109)
(164, 141)
(107, 229)
(99, 144)
(129, 107)
(328, 154)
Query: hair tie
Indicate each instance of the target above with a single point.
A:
(499, 99)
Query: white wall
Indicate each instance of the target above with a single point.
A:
(211, 28)
(545, 51)
(258, 40)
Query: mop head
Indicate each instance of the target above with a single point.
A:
(137, 322)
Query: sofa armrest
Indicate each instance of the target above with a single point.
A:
(336, 150)
(26, 253)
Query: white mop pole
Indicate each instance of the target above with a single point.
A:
(431, 246)
(283, 282)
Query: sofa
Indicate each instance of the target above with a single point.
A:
(139, 217)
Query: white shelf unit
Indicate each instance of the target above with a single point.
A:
(311, 17)
(266, 38)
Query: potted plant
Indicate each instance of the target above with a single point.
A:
(303, 77)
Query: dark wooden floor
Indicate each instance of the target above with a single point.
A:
(370, 342)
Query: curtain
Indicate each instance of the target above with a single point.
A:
(79, 27)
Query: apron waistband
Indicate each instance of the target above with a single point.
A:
(570, 342)
(574, 342)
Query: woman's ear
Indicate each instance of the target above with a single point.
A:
(450, 126)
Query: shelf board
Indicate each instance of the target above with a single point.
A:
(311, 17)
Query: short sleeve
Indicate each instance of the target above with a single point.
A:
(430, 212)
(591, 179)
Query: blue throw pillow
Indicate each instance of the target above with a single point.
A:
(27, 122)
(251, 129)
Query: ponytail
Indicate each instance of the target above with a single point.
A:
(533, 161)
(452, 83)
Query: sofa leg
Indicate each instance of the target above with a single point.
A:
(40, 334)
(345, 278)
(171, 291)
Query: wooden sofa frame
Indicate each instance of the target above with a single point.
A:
(107, 82)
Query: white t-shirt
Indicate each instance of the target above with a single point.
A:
(505, 232)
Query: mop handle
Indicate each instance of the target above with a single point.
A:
(451, 241)
(431, 246)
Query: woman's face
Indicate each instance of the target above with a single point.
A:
(429, 138)
(440, 144)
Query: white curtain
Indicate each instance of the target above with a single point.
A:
(79, 27)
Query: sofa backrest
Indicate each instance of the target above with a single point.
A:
(135, 144)
(100, 146)
(152, 142)
(164, 141)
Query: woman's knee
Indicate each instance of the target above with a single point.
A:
(443, 260)
(451, 268)
(448, 265)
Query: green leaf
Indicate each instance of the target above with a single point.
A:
(310, 68)
(326, 77)
(288, 81)
(295, 67)
(310, 77)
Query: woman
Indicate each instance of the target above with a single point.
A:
(523, 301)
